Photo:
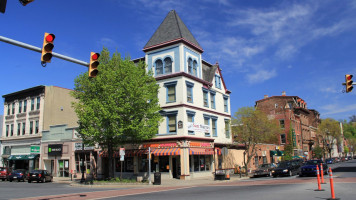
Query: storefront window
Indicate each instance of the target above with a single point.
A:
(201, 162)
(142, 164)
(163, 163)
(127, 165)
(78, 161)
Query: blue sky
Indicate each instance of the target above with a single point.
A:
(263, 47)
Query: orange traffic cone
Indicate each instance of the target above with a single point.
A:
(332, 186)
(322, 173)
(317, 174)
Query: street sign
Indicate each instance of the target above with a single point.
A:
(122, 157)
(122, 151)
(224, 151)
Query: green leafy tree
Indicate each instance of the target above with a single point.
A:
(252, 127)
(318, 152)
(288, 148)
(329, 131)
(119, 106)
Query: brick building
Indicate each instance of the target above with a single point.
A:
(292, 114)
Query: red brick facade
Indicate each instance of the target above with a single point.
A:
(292, 111)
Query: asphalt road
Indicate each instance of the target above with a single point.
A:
(257, 188)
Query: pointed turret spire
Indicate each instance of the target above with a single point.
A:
(172, 30)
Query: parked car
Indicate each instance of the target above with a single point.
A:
(18, 174)
(39, 175)
(349, 158)
(286, 168)
(263, 170)
(336, 160)
(4, 173)
(309, 168)
(329, 161)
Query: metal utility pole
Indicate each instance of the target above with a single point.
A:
(39, 50)
(149, 166)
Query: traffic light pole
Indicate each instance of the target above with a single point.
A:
(39, 50)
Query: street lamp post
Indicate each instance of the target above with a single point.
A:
(82, 168)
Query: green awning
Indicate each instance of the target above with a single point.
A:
(272, 153)
(33, 156)
(23, 157)
(280, 153)
(17, 157)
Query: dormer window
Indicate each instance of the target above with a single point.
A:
(163, 67)
(195, 64)
(167, 65)
(192, 67)
(159, 67)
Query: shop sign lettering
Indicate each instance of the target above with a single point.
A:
(192, 126)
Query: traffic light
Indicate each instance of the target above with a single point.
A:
(47, 47)
(3, 6)
(93, 71)
(348, 79)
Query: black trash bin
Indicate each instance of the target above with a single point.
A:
(157, 178)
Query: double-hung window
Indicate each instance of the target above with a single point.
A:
(227, 128)
(8, 109)
(226, 103)
(18, 129)
(172, 122)
(190, 115)
(23, 128)
(37, 127)
(31, 127)
(7, 131)
(217, 81)
(32, 103)
(13, 108)
(189, 91)
(190, 67)
(195, 66)
(214, 126)
(212, 99)
(38, 103)
(20, 106)
(171, 91)
(25, 106)
(205, 97)
(207, 123)
(12, 130)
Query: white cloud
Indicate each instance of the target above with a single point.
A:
(336, 109)
(261, 76)
(107, 42)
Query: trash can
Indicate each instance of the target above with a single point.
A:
(157, 178)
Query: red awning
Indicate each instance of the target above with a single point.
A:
(201, 151)
(166, 152)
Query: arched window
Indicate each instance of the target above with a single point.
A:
(195, 64)
(159, 67)
(167, 65)
(190, 70)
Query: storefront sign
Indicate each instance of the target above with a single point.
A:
(79, 146)
(55, 149)
(200, 144)
(198, 127)
(35, 149)
(163, 145)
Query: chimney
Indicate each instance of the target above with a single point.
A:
(266, 96)
(284, 93)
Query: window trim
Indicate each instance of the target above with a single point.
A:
(171, 84)
(171, 114)
(206, 94)
(192, 114)
(190, 86)
(226, 103)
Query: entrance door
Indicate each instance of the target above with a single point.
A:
(174, 167)
(63, 168)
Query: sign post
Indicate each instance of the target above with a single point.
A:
(122, 157)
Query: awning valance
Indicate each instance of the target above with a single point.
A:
(166, 152)
(23, 157)
(201, 151)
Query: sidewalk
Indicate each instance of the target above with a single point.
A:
(164, 182)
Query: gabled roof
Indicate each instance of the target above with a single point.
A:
(172, 30)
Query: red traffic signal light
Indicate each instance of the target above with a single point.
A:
(47, 47)
(349, 82)
(93, 65)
